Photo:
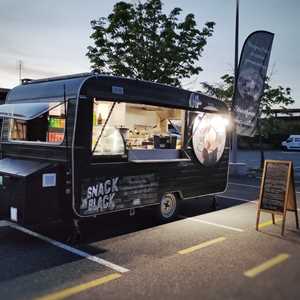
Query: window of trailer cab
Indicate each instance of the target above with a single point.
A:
(46, 125)
(144, 132)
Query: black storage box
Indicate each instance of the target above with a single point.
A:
(30, 191)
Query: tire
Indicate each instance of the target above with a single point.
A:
(167, 210)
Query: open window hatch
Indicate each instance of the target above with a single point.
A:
(42, 122)
(146, 133)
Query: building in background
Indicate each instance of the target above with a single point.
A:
(3, 93)
(282, 124)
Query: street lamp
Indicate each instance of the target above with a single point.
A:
(236, 57)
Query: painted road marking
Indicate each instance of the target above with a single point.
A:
(266, 265)
(202, 245)
(248, 185)
(80, 288)
(68, 248)
(252, 186)
(269, 223)
(238, 199)
(3, 223)
(211, 223)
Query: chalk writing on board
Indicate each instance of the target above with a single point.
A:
(274, 189)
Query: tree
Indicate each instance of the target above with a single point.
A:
(272, 96)
(222, 90)
(278, 96)
(140, 41)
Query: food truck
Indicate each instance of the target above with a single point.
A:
(80, 146)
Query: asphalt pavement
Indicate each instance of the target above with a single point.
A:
(204, 254)
(252, 158)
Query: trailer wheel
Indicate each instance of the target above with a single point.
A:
(168, 208)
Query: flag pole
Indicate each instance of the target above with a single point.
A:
(236, 58)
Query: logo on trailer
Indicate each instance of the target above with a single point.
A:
(119, 90)
(100, 196)
(209, 138)
(194, 101)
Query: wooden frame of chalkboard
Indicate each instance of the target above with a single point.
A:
(277, 191)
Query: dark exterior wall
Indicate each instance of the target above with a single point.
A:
(3, 93)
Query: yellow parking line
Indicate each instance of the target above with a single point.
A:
(202, 245)
(80, 288)
(266, 265)
(269, 223)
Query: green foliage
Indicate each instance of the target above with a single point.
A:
(140, 41)
(275, 126)
(272, 96)
(222, 90)
(279, 97)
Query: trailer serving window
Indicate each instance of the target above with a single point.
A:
(147, 132)
(35, 122)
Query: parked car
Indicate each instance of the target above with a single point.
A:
(291, 143)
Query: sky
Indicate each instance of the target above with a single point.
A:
(50, 38)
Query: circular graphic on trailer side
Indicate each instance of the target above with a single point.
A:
(209, 138)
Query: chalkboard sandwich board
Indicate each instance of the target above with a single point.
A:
(277, 191)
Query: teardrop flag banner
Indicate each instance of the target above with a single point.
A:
(250, 81)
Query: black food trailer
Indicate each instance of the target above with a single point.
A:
(80, 146)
